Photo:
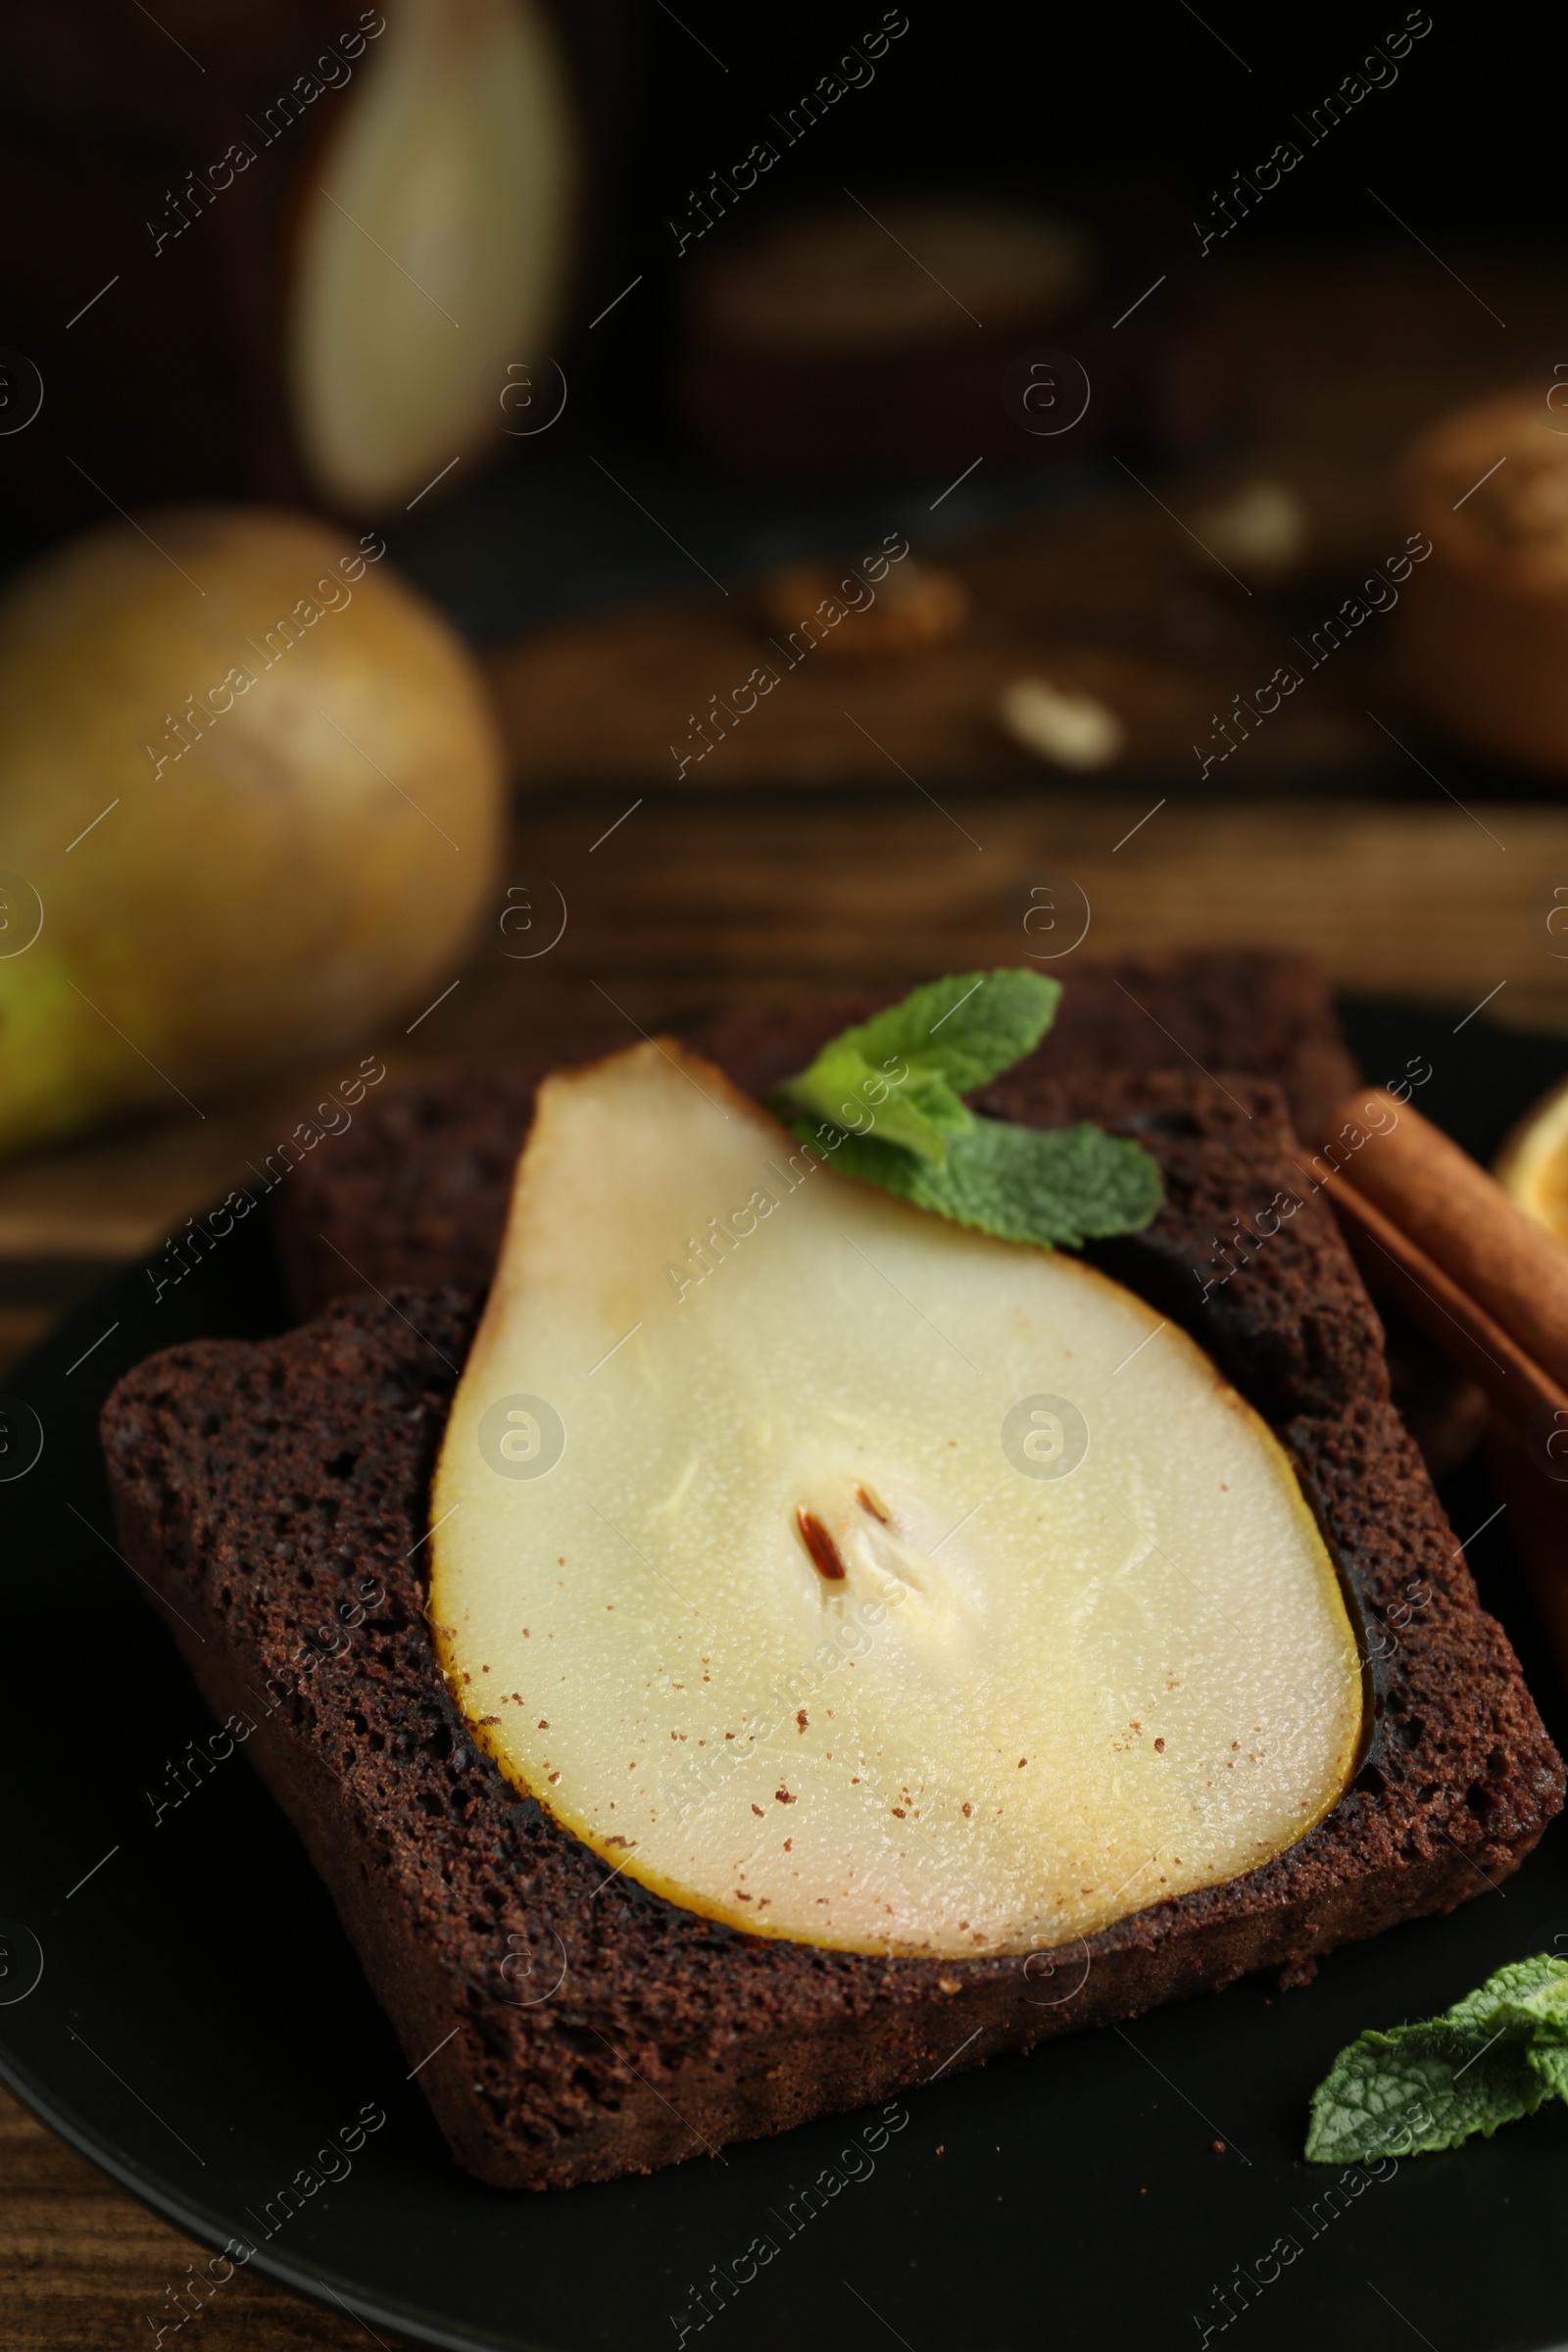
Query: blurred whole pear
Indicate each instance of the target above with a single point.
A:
(253, 784)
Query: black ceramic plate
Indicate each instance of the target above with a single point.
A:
(200, 2027)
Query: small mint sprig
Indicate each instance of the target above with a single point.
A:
(1496, 2054)
(883, 1102)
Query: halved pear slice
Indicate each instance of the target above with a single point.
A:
(432, 249)
(851, 1576)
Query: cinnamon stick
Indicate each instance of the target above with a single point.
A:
(1464, 1224)
(1457, 1326)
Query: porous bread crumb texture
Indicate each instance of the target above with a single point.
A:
(256, 1485)
(1285, 1315)
(416, 1191)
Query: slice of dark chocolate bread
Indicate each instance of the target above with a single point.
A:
(571, 2026)
(415, 1193)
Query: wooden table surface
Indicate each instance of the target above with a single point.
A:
(1333, 367)
(83, 2266)
(757, 896)
(805, 861)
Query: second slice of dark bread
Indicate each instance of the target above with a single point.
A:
(275, 1497)
(416, 1190)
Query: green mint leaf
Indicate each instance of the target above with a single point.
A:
(855, 1095)
(1529, 1994)
(1419, 2088)
(903, 1072)
(884, 1103)
(1051, 1186)
(1550, 2063)
(1496, 2054)
(966, 1029)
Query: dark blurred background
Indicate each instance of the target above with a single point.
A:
(1050, 104)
